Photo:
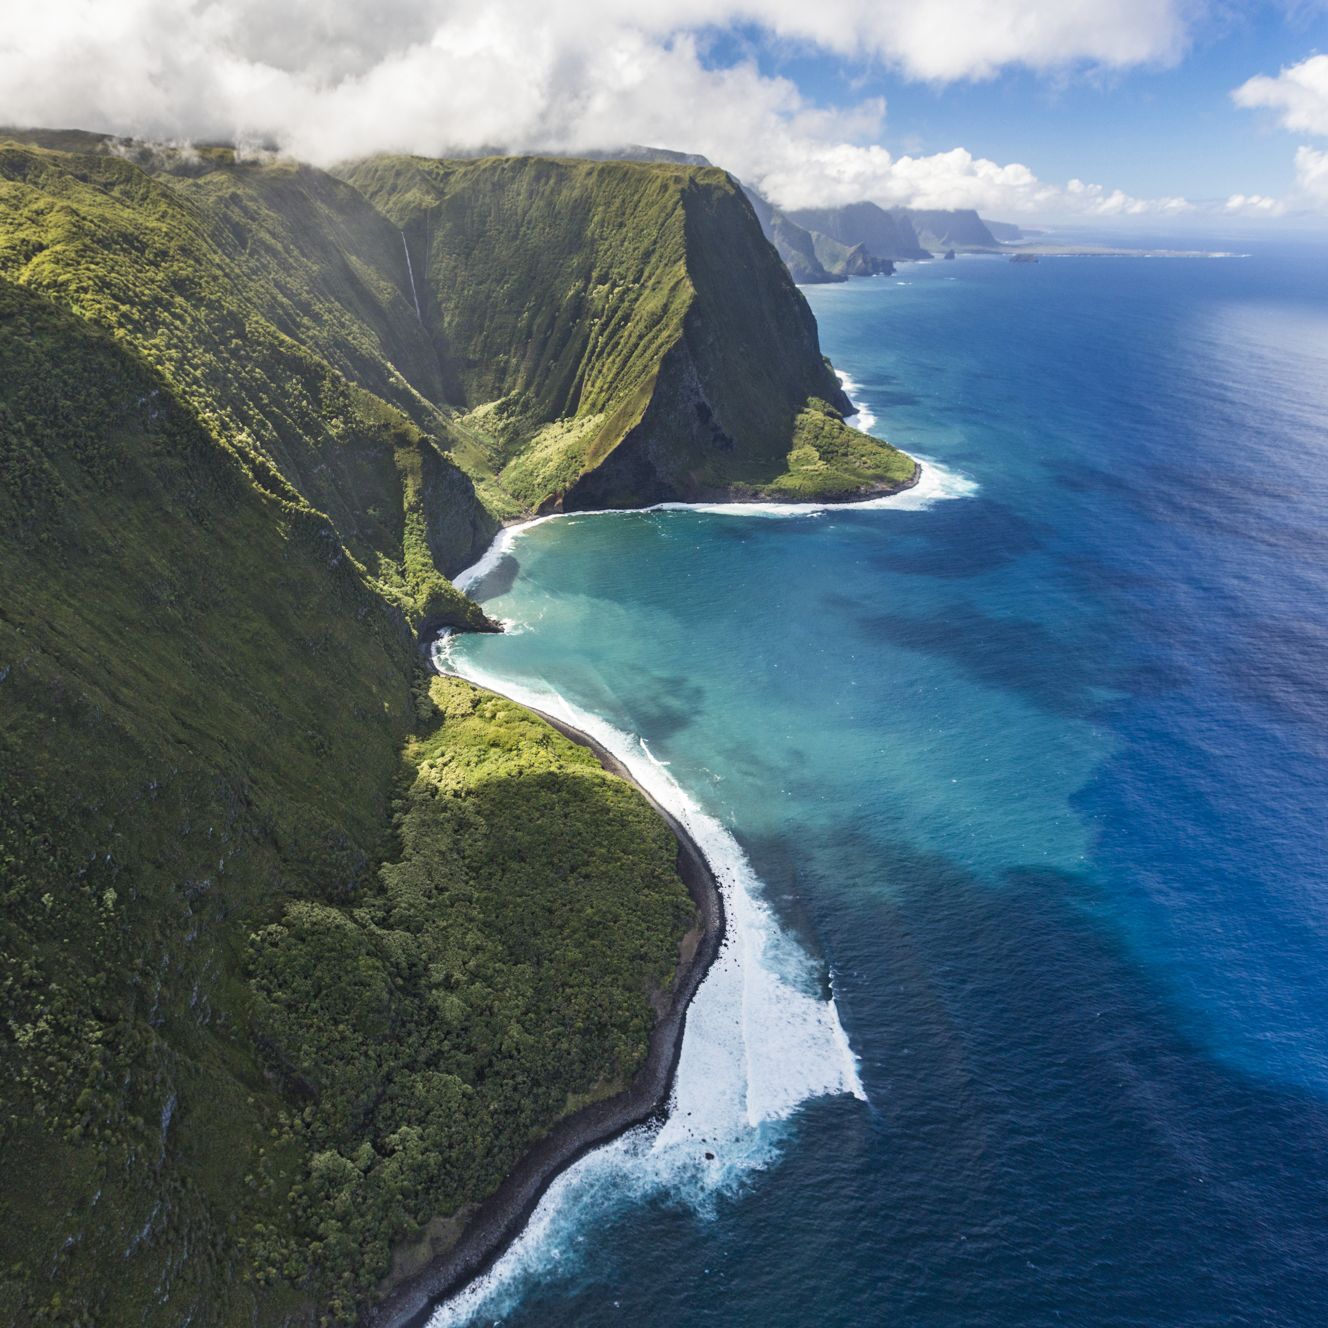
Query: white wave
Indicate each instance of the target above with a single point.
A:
(759, 1041)
(650, 756)
(862, 418)
(935, 483)
(498, 550)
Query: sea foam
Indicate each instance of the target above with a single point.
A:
(760, 1037)
(935, 483)
(863, 419)
(759, 1041)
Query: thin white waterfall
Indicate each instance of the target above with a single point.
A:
(410, 272)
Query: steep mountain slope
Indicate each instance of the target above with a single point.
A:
(511, 333)
(598, 345)
(955, 228)
(884, 235)
(242, 1059)
(299, 951)
(261, 296)
(202, 709)
(863, 240)
(844, 260)
(796, 246)
(813, 258)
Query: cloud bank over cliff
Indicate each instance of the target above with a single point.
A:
(329, 79)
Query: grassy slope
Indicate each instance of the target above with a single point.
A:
(260, 318)
(499, 975)
(202, 710)
(204, 706)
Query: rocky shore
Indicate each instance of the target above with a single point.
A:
(500, 1218)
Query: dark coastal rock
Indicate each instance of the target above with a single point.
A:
(493, 1224)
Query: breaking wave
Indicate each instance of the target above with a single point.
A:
(761, 1038)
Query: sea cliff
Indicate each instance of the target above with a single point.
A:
(292, 932)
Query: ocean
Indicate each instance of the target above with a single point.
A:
(1017, 785)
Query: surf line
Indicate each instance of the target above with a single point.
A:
(934, 483)
(755, 1041)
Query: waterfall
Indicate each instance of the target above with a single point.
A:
(410, 272)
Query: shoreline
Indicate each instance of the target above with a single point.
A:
(503, 538)
(500, 1218)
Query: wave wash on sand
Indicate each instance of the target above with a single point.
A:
(760, 1039)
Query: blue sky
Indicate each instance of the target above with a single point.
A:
(1095, 111)
(1157, 129)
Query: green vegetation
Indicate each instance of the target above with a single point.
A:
(242, 1058)
(829, 460)
(499, 972)
(298, 952)
(620, 332)
(271, 324)
(202, 705)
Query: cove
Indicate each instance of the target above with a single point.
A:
(1030, 781)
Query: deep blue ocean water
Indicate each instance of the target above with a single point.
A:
(1035, 778)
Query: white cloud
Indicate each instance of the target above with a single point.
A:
(327, 79)
(844, 173)
(1312, 176)
(1254, 205)
(1299, 95)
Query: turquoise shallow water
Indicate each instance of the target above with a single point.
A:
(1031, 778)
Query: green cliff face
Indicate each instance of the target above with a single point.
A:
(293, 945)
(516, 333)
(849, 260)
(298, 949)
(864, 240)
(796, 246)
(883, 235)
(202, 707)
(264, 299)
(621, 333)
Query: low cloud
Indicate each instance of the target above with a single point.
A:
(844, 173)
(325, 80)
(1253, 205)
